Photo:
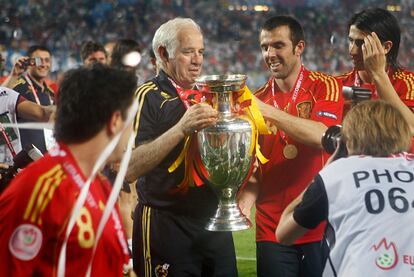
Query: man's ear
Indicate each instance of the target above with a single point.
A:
(115, 123)
(162, 51)
(387, 46)
(299, 48)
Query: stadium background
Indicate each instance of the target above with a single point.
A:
(230, 28)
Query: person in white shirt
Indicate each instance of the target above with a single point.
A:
(367, 198)
(11, 105)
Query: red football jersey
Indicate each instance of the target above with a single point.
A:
(402, 80)
(319, 98)
(35, 210)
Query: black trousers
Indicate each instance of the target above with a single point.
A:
(171, 244)
(302, 260)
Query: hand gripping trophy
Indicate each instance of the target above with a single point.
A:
(225, 150)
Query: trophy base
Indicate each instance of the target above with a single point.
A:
(228, 217)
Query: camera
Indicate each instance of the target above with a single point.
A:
(332, 139)
(356, 94)
(32, 62)
(21, 160)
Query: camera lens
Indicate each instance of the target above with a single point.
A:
(331, 138)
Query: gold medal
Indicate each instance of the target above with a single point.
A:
(290, 151)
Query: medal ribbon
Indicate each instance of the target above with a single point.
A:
(188, 180)
(84, 192)
(292, 100)
(32, 88)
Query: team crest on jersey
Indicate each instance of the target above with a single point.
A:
(165, 95)
(25, 242)
(387, 257)
(304, 109)
(161, 270)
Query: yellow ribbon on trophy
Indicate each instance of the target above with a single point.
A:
(251, 113)
(258, 123)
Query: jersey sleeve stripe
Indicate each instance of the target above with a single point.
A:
(37, 188)
(141, 93)
(329, 84)
(335, 89)
(167, 100)
(57, 180)
(408, 80)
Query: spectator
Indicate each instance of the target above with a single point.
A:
(34, 88)
(93, 52)
(126, 55)
(11, 104)
(109, 46)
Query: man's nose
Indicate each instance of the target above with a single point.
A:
(197, 58)
(271, 51)
(353, 48)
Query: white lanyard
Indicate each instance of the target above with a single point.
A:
(84, 192)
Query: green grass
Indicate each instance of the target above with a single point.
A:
(245, 243)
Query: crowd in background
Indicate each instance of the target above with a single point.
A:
(230, 29)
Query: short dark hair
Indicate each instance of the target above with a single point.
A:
(121, 48)
(87, 98)
(296, 30)
(34, 48)
(89, 47)
(385, 25)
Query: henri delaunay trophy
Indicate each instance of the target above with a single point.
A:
(224, 149)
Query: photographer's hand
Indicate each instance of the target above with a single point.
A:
(18, 69)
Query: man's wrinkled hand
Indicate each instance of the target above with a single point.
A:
(197, 117)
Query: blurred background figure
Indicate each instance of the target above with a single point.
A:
(229, 32)
(93, 52)
(126, 55)
(109, 46)
(32, 85)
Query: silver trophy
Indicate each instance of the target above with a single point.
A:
(224, 149)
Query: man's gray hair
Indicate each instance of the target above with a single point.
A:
(166, 36)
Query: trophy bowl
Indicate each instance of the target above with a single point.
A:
(224, 151)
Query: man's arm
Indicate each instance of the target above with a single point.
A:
(288, 229)
(32, 111)
(375, 65)
(248, 194)
(305, 131)
(147, 156)
(306, 212)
